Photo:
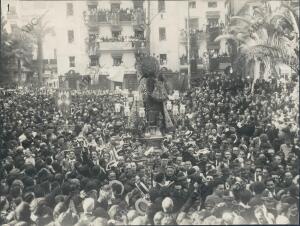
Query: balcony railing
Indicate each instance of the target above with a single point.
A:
(199, 34)
(121, 46)
(183, 61)
(134, 16)
(93, 50)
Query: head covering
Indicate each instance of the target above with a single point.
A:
(131, 215)
(282, 220)
(88, 205)
(167, 205)
(99, 221)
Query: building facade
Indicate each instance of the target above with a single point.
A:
(169, 32)
(115, 39)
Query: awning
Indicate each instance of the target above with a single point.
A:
(139, 27)
(116, 28)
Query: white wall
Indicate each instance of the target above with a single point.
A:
(169, 20)
(78, 47)
(173, 19)
(128, 59)
(56, 17)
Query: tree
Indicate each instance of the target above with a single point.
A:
(266, 37)
(16, 51)
(39, 32)
(5, 46)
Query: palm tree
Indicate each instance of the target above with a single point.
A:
(40, 31)
(16, 50)
(264, 37)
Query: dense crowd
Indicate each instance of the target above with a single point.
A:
(106, 15)
(233, 159)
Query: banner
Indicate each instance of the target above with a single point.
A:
(64, 100)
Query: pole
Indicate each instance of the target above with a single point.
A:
(188, 45)
(148, 28)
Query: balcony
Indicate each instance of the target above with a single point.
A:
(93, 50)
(219, 62)
(183, 62)
(116, 46)
(122, 44)
(135, 17)
(198, 34)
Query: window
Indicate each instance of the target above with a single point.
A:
(212, 21)
(161, 6)
(92, 38)
(116, 34)
(72, 61)
(94, 60)
(137, 4)
(194, 23)
(162, 33)
(115, 6)
(70, 36)
(12, 10)
(192, 5)
(117, 60)
(163, 59)
(138, 34)
(70, 11)
(53, 61)
(92, 7)
(212, 4)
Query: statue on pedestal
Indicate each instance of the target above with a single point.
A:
(152, 88)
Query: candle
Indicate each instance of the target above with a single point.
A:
(126, 111)
(117, 107)
(175, 110)
(182, 109)
(142, 112)
(169, 105)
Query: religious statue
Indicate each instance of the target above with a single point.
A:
(152, 88)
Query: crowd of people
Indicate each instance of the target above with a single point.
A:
(121, 38)
(106, 15)
(233, 159)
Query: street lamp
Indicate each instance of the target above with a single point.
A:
(188, 44)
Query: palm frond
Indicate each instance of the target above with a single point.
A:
(227, 37)
(294, 12)
(242, 19)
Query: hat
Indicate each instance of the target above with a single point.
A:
(117, 186)
(288, 200)
(100, 212)
(181, 176)
(280, 219)
(141, 206)
(167, 205)
(164, 156)
(18, 183)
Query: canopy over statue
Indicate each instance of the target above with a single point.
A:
(152, 89)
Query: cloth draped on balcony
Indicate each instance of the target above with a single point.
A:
(116, 74)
